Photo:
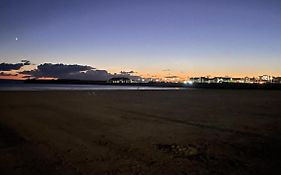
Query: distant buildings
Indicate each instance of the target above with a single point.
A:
(211, 80)
(276, 80)
(173, 79)
(261, 79)
(120, 80)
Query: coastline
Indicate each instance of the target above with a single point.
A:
(20, 85)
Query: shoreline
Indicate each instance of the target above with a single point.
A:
(150, 85)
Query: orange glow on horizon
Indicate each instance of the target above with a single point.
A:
(159, 74)
(13, 77)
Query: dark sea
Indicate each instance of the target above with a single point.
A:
(21, 86)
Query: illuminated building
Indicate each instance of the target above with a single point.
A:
(120, 80)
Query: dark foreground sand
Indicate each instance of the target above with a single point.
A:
(141, 132)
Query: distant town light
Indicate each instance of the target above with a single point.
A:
(188, 82)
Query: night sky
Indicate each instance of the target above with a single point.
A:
(151, 37)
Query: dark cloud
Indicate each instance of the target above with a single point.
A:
(100, 75)
(128, 72)
(132, 77)
(172, 77)
(96, 75)
(57, 70)
(166, 70)
(10, 66)
(76, 72)
(26, 62)
(27, 76)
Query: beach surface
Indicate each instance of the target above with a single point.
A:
(140, 132)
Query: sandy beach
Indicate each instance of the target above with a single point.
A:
(141, 132)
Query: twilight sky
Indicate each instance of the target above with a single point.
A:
(151, 37)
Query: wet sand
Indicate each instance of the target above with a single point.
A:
(141, 132)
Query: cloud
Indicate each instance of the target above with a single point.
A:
(10, 66)
(26, 62)
(166, 70)
(172, 77)
(74, 72)
(100, 75)
(57, 70)
(27, 76)
(7, 74)
(127, 75)
(96, 75)
(128, 72)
